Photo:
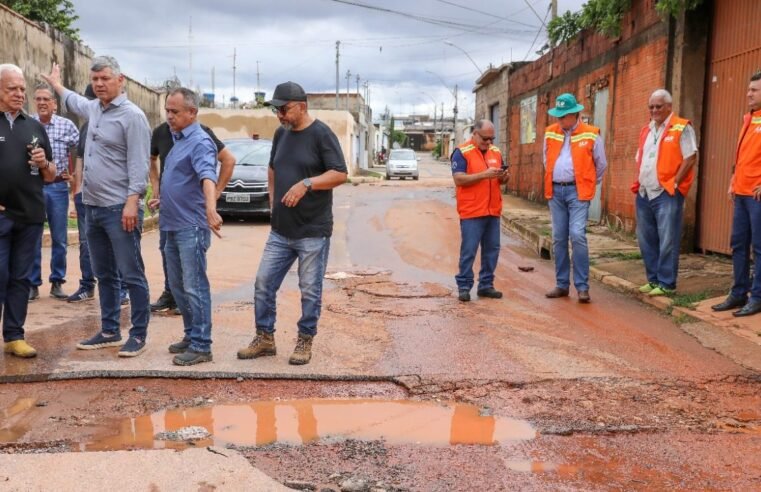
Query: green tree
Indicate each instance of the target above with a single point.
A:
(564, 28)
(57, 13)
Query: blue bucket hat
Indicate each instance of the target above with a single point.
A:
(565, 104)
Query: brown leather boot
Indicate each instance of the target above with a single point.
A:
(302, 354)
(262, 344)
(556, 292)
(584, 297)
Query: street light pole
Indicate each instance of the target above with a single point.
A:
(466, 54)
(454, 95)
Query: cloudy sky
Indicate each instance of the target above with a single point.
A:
(399, 48)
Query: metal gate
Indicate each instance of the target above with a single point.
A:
(600, 120)
(734, 55)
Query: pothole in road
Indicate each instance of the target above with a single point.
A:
(298, 422)
(425, 290)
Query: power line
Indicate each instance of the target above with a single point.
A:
(537, 35)
(471, 9)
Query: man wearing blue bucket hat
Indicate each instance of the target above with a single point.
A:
(574, 162)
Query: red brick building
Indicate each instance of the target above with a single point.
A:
(705, 54)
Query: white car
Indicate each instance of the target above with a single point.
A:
(402, 163)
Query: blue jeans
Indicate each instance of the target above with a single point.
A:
(185, 253)
(569, 221)
(484, 231)
(88, 278)
(279, 255)
(746, 234)
(17, 247)
(162, 248)
(659, 233)
(114, 251)
(57, 212)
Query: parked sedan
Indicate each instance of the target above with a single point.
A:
(402, 163)
(246, 194)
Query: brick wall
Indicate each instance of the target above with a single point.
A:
(629, 67)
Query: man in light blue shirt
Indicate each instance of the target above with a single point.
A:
(114, 182)
(574, 159)
(188, 203)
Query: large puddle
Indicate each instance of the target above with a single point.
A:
(297, 422)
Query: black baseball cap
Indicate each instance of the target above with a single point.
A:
(286, 92)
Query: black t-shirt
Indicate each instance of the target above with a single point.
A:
(20, 190)
(296, 156)
(162, 142)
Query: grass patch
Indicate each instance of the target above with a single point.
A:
(621, 255)
(689, 301)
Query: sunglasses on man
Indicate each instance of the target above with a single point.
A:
(486, 139)
(282, 109)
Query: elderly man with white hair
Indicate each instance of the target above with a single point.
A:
(25, 162)
(666, 156)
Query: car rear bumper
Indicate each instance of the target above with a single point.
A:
(258, 204)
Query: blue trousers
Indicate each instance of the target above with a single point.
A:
(483, 231)
(569, 222)
(746, 234)
(659, 233)
(18, 243)
(185, 253)
(279, 255)
(113, 251)
(57, 212)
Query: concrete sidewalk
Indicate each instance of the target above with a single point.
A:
(704, 280)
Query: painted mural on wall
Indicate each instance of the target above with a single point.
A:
(528, 120)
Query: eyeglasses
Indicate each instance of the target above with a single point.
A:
(655, 106)
(282, 109)
(486, 139)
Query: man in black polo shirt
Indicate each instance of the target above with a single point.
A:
(25, 156)
(161, 143)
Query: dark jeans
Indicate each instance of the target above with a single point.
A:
(57, 212)
(113, 250)
(88, 278)
(186, 262)
(659, 233)
(17, 248)
(746, 234)
(162, 248)
(279, 255)
(483, 231)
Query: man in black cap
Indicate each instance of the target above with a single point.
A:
(306, 163)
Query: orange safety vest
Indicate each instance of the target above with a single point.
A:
(669, 156)
(747, 175)
(484, 198)
(583, 141)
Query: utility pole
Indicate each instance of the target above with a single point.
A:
(554, 8)
(357, 93)
(258, 85)
(190, 52)
(235, 55)
(348, 79)
(338, 44)
(454, 123)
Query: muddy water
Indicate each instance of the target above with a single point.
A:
(297, 422)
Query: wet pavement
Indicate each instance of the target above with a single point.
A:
(544, 393)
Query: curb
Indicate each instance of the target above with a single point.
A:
(543, 247)
(72, 238)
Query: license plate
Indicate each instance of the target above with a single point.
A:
(238, 198)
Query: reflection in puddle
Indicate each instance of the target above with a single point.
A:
(303, 421)
(543, 467)
(14, 420)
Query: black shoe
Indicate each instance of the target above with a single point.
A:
(56, 291)
(82, 294)
(490, 292)
(464, 296)
(179, 347)
(730, 303)
(34, 293)
(191, 357)
(752, 307)
(165, 302)
(124, 298)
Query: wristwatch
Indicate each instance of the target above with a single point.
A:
(308, 183)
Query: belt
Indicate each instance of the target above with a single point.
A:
(57, 179)
(569, 183)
